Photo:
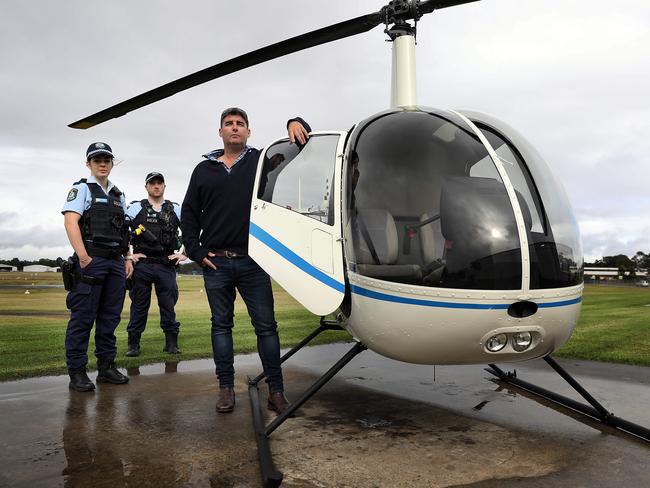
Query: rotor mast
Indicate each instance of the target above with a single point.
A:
(402, 35)
(403, 80)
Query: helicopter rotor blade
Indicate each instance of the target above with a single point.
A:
(358, 25)
(429, 6)
(331, 33)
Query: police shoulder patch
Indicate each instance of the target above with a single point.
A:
(72, 194)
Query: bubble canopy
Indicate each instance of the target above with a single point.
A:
(432, 200)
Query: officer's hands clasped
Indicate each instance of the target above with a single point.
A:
(128, 268)
(177, 257)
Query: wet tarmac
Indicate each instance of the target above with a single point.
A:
(380, 423)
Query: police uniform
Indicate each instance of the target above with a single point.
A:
(159, 241)
(97, 296)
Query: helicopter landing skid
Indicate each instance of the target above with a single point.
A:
(596, 411)
(271, 477)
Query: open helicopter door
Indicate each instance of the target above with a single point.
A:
(295, 229)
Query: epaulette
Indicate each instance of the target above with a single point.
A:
(134, 201)
(82, 180)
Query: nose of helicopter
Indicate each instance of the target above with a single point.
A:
(461, 244)
(432, 326)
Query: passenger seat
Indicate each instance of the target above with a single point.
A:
(377, 248)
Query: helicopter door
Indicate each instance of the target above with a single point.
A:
(295, 229)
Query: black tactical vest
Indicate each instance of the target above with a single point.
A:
(103, 225)
(163, 225)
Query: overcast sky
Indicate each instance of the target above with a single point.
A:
(570, 75)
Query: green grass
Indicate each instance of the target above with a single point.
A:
(614, 326)
(32, 327)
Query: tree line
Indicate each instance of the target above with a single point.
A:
(624, 263)
(620, 261)
(188, 268)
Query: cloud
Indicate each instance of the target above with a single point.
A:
(7, 218)
(36, 236)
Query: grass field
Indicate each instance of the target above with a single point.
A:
(614, 326)
(32, 326)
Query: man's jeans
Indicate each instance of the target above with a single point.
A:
(254, 286)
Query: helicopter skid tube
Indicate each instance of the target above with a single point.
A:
(271, 477)
(596, 411)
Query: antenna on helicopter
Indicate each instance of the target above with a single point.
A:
(396, 12)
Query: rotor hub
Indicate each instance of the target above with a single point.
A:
(396, 14)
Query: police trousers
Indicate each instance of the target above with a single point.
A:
(99, 304)
(163, 278)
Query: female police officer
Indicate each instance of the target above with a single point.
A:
(94, 221)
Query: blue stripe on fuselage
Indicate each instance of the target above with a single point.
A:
(430, 303)
(270, 241)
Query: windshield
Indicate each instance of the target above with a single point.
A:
(554, 241)
(425, 205)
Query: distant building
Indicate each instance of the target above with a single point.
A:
(595, 273)
(38, 268)
(5, 268)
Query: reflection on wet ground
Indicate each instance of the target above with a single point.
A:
(381, 423)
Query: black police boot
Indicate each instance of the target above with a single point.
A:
(134, 344)
(108, 373)
(79, 381)
(171, 343)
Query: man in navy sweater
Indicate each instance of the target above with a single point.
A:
(216, 217)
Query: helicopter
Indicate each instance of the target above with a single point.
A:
(433, 236)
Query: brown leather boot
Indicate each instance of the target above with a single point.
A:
(278, 402)
(226, 400)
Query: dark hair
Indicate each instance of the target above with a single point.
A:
(233, 111)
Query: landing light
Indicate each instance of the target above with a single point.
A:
(521, 341)
(496, 342)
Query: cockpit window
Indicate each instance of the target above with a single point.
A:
(425, 205)
(301, 180)
(554, 248)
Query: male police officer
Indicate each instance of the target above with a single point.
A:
(216, 217)
(95, 224)
(154, 225)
